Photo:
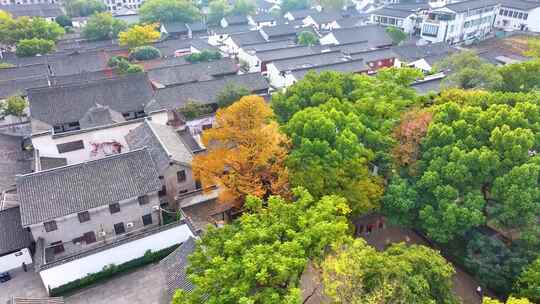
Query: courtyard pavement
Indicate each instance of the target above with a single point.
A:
(143, 286)
(22, 284)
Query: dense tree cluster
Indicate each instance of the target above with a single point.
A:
(341, 126)
(103, 26)
(169, 11)
(139, 35)
(259, 258)
(13, 30)
(358, 274)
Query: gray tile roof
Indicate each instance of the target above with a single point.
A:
(205, 92)
(176, 27)
(346, 48)
(263, 17)
(50, 194)
(279, 30)
(374, 55)
(69, 103)
(270, 45)
(24, 72)
(231, 29)
(236, 19)
(428, 86)
(247, 38)
(326, 16)
(13, 160)
(375, 35)
(197, 26)
(99, 115)
(77, 62)
(174, 268)
(289, 52)
(46, 10)
(12, 235)
(520, 4)
(352, 21)
(353, 66)
(301, 14)
(163, 143)
(412, 7)
(460, 7)
(410, 53)
(82, 77)
(179, 74)
(392, 12)
(20, 86)
(308, 61)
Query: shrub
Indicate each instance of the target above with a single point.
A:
(145, 53)
(34, 46)
(121, 65)
(111, 271)
(63, 21)
(205, 55)
(192, 110)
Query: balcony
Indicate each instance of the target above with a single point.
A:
(197, 196)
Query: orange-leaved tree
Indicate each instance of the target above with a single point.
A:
(412, 128)
(245, 153)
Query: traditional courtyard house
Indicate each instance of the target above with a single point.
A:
(96, 213)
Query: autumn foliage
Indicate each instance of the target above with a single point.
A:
(412, 128)
(245, 153)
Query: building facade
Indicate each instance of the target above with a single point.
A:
(518, 15)
(462, 22)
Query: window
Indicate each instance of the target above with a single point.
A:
(114, 208)
(89, 237)
(143, 200)
(57, 247)
(70, 146)
(181, 176)
(50, 226)
(83, 216)
(119, 228)
(207, 126)
(163, 191)
(147, 219)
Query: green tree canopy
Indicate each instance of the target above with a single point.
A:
(217, 9)
(520, 77)
(358, 274)
(478, 165)
(169, 11)
(340, 123)
(243, 7)
(307, 38)
(34, 46)
(396, 34)
(103, 26)
(260, 257)
(468, 71)
(528, 283)
(13, 105)
(230, 94)
(291, 5)
(84, 8)
(13, 30)
(63, 20)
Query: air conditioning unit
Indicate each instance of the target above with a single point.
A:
(129, 225)
(102, 233)
(155, 208)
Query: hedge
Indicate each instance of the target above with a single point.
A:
(112, 271)
(145, 53)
